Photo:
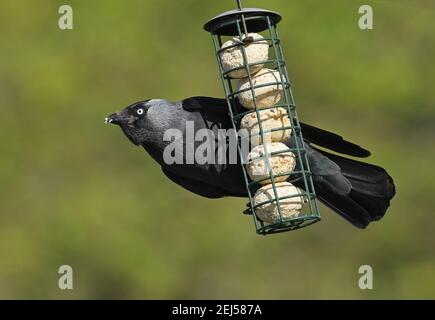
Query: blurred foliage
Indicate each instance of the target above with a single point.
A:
(75, 191)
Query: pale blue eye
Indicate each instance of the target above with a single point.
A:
(139, 111)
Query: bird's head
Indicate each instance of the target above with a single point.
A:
(133, 121)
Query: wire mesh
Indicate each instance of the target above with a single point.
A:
(301, 175)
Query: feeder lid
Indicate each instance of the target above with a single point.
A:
(224, 25)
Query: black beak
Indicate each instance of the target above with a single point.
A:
(114, 118)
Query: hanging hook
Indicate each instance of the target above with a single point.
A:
(239, 4)
(247, 38)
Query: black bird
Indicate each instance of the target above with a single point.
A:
(358, 191)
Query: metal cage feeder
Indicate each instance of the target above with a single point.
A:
(239, 23)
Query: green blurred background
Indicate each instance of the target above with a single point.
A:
(75, 191)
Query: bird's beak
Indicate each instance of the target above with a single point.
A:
(114, 118)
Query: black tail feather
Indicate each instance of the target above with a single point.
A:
(375, 206)
(369, 199)
(345, 207)
(366, 178)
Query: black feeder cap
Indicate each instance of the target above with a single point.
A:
(224, 25)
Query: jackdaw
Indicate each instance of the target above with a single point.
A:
(358, 191)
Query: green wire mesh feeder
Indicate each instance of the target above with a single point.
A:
(237, 24)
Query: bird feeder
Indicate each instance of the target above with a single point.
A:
(258, 92)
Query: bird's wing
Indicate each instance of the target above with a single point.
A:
(313, 135)
(205, 104)
(332, 141)
(200, 188)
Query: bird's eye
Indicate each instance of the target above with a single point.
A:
(139, 111)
